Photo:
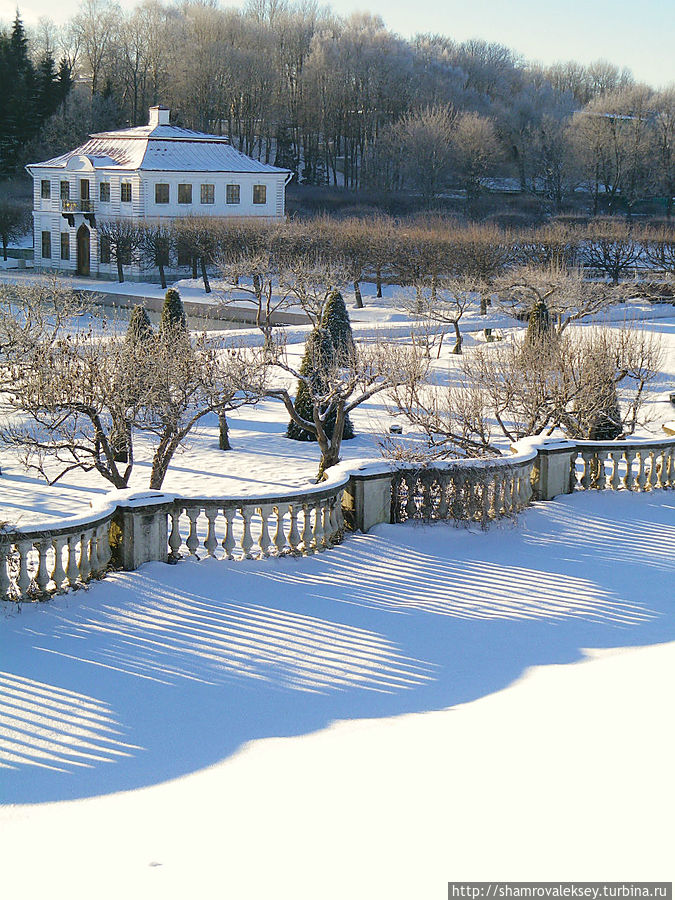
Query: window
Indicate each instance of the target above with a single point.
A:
(65, 245)
(161, 193)
(232, 193)
(46, 245)
(125, 192)
(65, 190)
(260, 193)
(208, 193)
(104, 250)
(185, 193)
(104, 192)
(46, 189)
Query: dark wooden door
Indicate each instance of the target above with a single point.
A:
(83, 242)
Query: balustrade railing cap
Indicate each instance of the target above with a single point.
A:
(131, 498)
(537, 442)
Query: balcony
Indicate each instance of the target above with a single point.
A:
(75, 206)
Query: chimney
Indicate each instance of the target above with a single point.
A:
(159, 115)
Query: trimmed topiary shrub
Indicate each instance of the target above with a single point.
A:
(539, 323)
(330, 344)
(173, 313)
(140, 327)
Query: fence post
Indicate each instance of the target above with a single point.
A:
(553, 472)
(367, 500)
(142, 520)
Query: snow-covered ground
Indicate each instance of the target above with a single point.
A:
(421, 704)
(262, 457)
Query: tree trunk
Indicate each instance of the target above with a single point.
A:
(194, 266)
(4, 249)
(162, 277)
(357, 294)
(223, 432)
(205, 277)
(457, 349)
(120, 271)
(378, 279)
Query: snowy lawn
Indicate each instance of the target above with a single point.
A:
(421, 704)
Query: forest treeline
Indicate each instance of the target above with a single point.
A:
(342, 101)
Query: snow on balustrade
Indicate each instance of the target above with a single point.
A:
(34, 564)
(37, 562)
(467, 490)
(634, 466)
(248, 529)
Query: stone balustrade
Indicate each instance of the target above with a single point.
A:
(154, 526)
(470, 491)
(253, 528)
(35, 563)
(631, 466)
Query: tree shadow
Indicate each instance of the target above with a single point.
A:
(150, 675)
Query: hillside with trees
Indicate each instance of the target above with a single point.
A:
(345, 103)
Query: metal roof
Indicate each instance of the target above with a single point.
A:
(161, 148)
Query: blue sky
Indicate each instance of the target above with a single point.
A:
(636, 33)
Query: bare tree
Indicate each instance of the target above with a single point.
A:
(157, 247)
(120, 240)
(565, 293)
(611, 248)
(14, 222)
(75, 396)
(446, 303)
(339, 382)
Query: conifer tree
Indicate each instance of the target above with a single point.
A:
(538, 324)
(140, 328)
(173, 319)
(331, 344)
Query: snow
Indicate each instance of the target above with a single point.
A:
(418, 705)
(421, 704)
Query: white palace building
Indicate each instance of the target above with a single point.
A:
(156, 172)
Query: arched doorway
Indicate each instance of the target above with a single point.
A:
(83, 242)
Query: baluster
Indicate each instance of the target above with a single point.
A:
(85, 568)
(443, 500)
(228, 541)
(650, 471)
(642, 474)
(616, 457)
(293, 532)
(628, 478)
(94, 564)
(498, 483)
(669, 463)
(72, 569)
(400, 497)
(103, 545)
(23, 580)
(317, 530)
(410, 506)
(279, 539)
(659, 466)
(5, 581)
(246, 537)
(264, 540)
(211, 542)
(484, 505)
(42, 575)
(326, 523)
(306, 530)
(175, 539)
(58, 572)
(586, 475)
(192, 542)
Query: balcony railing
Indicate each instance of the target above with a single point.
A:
(73, 206)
